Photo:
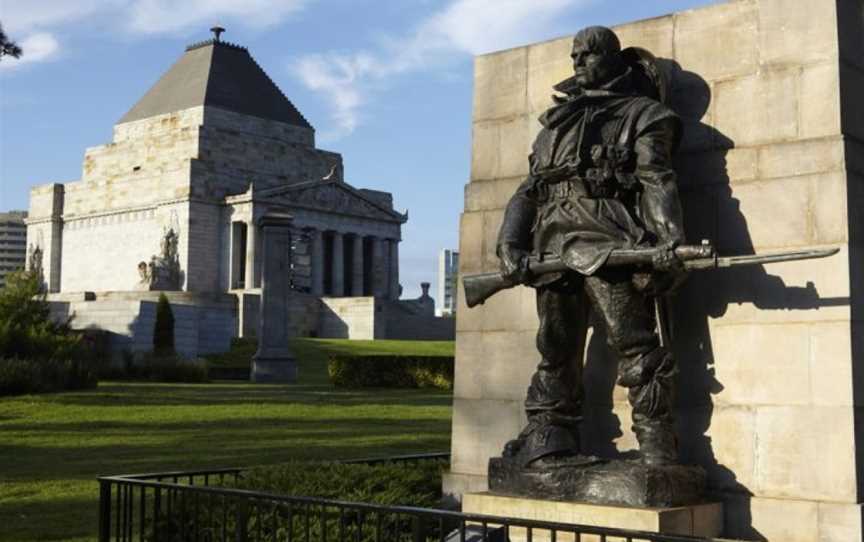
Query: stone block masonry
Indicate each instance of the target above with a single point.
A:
(203, 323)
(770, 397)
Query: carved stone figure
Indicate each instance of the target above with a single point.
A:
(163, 271)
(169, 245)
(36, 259)
(144, 273)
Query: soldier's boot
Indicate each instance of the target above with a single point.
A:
(544, 439)
(657, 442)
(649, 379)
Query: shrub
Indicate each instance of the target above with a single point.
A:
(240, 354)
(416, 484)
(157, 368)
(36, 353)
(163, 328)
(174, 369)
(403, 484)
(391, 371)
(26, 328)
(20, 376)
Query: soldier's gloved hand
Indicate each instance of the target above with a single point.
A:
(666, 275)
(665, 260)
(514, 263)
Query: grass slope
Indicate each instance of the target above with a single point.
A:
(312, 354)
(54, 445)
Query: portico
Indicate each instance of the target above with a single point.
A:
(353, 240)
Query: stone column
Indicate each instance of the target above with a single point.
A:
(317, 262)
(251, 231)
(377, 268)
(338, 269)
(357, 270)
(393, 274)
(273, 362)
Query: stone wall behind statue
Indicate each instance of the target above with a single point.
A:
(770, 92)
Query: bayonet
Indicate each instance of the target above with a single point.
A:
(480, 287)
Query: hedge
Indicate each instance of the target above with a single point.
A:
(156, 368)
(19, 376)
(391, 371)
(391, 484)
(417, 484)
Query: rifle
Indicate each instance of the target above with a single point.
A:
(480, 287)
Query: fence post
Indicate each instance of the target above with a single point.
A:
(104, 510)
(242, 524)
(419, 534)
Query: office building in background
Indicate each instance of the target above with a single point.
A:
(13, 243)
(448, 275)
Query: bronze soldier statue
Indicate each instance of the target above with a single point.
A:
(601, 179)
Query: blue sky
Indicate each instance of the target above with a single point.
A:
(387, 83)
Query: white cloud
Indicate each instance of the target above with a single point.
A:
(462, 27)
(40, 18)
(145, 16)
(481, 26)
(23, 16)
(160, 16)
(37, 48)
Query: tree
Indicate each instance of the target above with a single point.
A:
(26, 327)
(163, 328)
(7, 46)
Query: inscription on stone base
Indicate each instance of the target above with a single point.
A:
(628, 483)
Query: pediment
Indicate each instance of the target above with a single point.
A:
(329, 196)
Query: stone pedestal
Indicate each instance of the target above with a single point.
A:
(597, 481)
(696, 520)
(273, 362)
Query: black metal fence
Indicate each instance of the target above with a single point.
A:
(193, 506)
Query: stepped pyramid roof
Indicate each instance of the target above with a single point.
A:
(218, 74)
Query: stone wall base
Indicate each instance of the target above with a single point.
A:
(203, 323)
(696, 520)
(744, 517)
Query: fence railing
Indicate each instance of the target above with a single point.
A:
(192, 506)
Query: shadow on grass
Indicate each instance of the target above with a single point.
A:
(142, 394)
(53, 447)
(64, 518)
(335, 427)
(34, 463)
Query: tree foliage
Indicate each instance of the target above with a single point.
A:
(26, 328)
(163, 328)
(7, 46)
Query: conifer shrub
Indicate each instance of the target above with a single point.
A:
(163, 328)
(391, 371)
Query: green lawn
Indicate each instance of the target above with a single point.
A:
(312, 354)
(54, 445)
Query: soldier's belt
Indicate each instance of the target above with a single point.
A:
(560, 187)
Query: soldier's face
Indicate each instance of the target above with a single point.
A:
(592, 68)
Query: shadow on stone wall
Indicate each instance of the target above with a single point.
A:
(710, 212)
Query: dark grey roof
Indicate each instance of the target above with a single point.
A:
(217, 74)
